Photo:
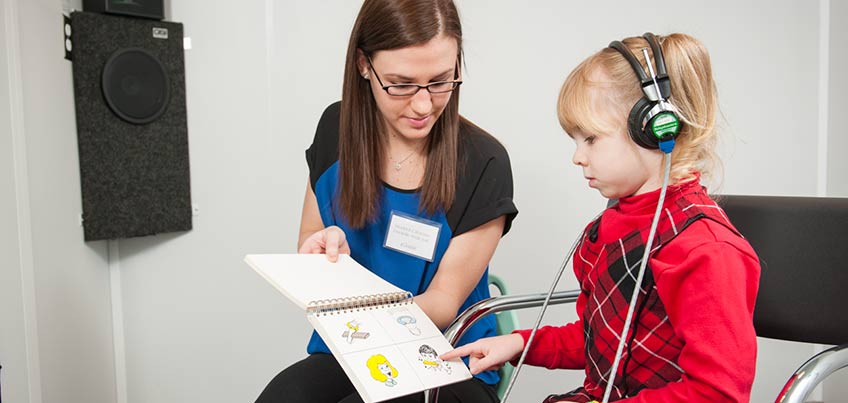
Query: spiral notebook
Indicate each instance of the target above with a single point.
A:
(384, 342)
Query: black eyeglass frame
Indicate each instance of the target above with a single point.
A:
(389, 88)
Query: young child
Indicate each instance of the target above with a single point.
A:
(691, 338)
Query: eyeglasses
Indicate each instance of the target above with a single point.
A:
(404, 90)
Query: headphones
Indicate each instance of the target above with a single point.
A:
(653, 122)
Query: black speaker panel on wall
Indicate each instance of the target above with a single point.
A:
(129, 88)
(137, 8)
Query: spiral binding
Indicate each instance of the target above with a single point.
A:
(334, 306)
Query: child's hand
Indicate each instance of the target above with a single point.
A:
(330, 240)
(489, 353)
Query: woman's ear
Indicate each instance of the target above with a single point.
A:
(362, 64)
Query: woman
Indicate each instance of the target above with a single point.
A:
(398, 179)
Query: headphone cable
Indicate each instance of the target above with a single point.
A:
(638, 287)
(541, 314)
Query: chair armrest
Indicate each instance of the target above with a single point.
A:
(489, 306)
(809, 375)
(494, 305)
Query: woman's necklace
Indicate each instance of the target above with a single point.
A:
(399, 164)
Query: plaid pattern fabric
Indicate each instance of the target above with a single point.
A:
(607, 274)
(578, 395)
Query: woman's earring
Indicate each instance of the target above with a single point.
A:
(366, 76)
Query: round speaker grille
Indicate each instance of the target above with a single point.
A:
(135, 85)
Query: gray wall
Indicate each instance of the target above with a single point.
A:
(15, 375)
(837, 169)
(194, 323)
(65, 291)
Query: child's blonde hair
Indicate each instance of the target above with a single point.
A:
(581, 105)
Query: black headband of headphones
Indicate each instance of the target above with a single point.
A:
(646, 81)
(652, 121)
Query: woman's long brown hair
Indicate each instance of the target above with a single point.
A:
(383, 25)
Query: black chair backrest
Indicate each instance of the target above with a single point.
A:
(802, 243)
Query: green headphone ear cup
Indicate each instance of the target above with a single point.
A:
(663, 126)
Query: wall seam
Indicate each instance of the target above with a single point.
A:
(821, 150)
(118, 337)
(823, 96)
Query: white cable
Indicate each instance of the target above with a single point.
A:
(643, 264)
(539, 318)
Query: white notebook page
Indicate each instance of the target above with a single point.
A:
(303, 278)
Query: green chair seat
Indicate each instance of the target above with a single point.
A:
(507, 321)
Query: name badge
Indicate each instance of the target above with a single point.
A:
(414, 236)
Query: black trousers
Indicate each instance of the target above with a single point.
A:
(320, 379)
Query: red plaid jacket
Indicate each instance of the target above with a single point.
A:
(659, 353)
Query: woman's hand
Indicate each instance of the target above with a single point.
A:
(490, 353)
(330, 240)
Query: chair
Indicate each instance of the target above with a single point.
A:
(802, 243)
(507, 321)
(494, 305)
